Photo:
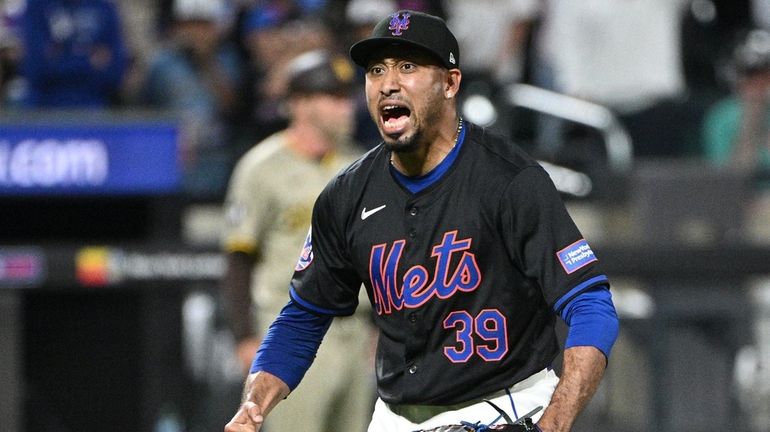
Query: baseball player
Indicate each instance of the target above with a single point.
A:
(467, 254)
(268, 206)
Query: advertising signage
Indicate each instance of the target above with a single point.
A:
(89, 159)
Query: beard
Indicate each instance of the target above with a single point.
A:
(404, 143)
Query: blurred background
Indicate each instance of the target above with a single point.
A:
(121, 121)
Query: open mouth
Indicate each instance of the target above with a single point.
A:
(394, 112)
(394, 118)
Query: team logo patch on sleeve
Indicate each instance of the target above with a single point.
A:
(576, 256)
(306, 256)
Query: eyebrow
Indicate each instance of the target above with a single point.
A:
(404, 53)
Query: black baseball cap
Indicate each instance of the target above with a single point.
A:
(319, 71)
(412, 28)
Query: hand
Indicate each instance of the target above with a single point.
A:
(262, 392)
(249, 418)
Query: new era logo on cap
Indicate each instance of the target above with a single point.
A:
(416, 29)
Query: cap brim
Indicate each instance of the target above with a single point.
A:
(362, 51)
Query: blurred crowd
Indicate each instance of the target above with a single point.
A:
(218, 65)
(684, 78)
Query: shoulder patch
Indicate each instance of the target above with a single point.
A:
(576, 256)
(306, 255)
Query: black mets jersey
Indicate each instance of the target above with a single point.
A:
(463, 275)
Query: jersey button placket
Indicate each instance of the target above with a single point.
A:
(411, 211)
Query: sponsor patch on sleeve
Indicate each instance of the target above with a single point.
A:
(576, 256)
(306, 255)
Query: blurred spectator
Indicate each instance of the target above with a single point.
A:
(140, 19)
(736, 135)
(196, 75)
(357, 12)
(361, 16)
(625, 55)
(273, 33)
(710, 28)
(433, 7)
(73, 53)
(493, 58)
(268, 209)
(736, 130)
(10, 52)
(497, 53)
(760, 11)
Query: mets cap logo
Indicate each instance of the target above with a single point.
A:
(398, 23)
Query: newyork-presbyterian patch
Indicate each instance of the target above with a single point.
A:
(576, 256)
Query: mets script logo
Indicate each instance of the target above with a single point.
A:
(398, 23)
(416, 288)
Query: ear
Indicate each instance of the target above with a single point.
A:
(452, 83)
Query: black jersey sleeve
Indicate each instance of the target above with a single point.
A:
(543, 239)
(324, 280)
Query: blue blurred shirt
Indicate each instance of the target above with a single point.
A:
(74, 53)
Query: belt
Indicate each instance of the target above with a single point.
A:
(422, 413)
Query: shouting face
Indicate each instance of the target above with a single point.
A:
(406, 92)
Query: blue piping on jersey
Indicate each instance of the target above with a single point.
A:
(574, 291)
(418, 183)
(319, 310)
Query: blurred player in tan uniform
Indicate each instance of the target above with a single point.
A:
(268, 210)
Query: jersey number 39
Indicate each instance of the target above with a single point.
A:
(491, 343)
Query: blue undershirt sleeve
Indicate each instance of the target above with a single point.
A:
(592, 320)
(291, 343)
